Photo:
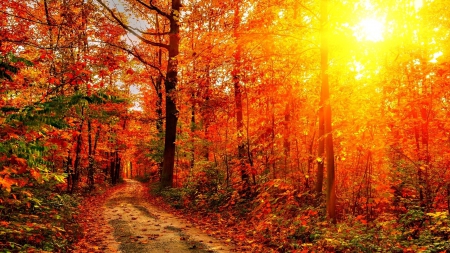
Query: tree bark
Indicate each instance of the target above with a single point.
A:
(170, 86)
(76, 165)
(158, 88)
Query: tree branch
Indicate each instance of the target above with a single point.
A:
(154, 8)
(127, 28)
(27, 19)
(309, 10)
(151, 34)
(136, 55)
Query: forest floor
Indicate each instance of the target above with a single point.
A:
(123, 220)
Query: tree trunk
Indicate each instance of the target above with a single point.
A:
(170, 86)
(112, 167)
(90, 157)
(193, 129)
(158, 88)
(76, 165)
(131, 169)
(159, 101)
(321, 149)
(331, 186)
(117, 168)
(238, 95)
(286, 136)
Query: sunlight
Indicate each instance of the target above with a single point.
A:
(369, 29)
(418, 4)
(435, 56)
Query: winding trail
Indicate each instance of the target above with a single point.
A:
(139, 227)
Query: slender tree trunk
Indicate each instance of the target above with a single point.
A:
(117, 167)
(131, 169)
(193, 129)
(158, 88)
(206, 114)
(76, 165)
(69, 170)
(206, 107)
(321, 150)
(170, 86)
(159, 110)
(310, 162)
(90, 156)
(159, 100)
(331, 185)
(238, 94)
(286, 136)
(112, 166)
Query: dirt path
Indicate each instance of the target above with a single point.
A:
(140, 227)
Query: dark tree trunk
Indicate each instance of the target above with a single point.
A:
(76, 165)
(158, 89)
(170, 86)
(117, 167)
(112, 163)
(159, 109)
(131, 169)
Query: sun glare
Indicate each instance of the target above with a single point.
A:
(435, 56)
(418, 4)
(369, 29)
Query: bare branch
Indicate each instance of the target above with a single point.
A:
(309, 10)
(122, 24)
(154, 8)
(27, 19)
(151, 34)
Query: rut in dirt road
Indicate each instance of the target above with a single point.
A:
(140, 227)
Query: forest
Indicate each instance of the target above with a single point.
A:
(301, 125)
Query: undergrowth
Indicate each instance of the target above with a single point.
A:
(285, 220)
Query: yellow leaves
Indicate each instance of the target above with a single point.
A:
(6, 183)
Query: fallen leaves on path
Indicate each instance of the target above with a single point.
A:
(97, 235)
(223, 226)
